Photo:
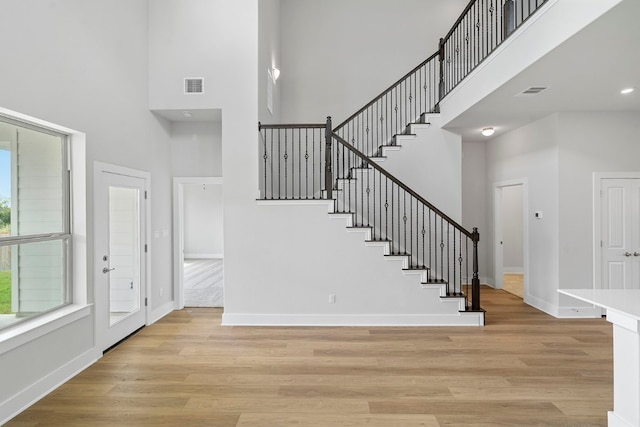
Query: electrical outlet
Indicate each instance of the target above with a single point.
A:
(332, 298)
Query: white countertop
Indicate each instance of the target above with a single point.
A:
(626, 301)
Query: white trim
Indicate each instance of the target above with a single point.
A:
(542, 305)
(579, 312)
(29, 330)
(498, 268)
(459, 319)
(597, 219)
(160, 312)
(178, 232)
(513, 270)
(36, 391)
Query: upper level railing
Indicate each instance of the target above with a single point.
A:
(480, 29)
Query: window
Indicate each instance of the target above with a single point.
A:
(35, 226)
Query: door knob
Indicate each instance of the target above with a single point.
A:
(636, 254)
(106, 270)
(627, 254)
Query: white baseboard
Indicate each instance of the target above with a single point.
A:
(579, 312)
(27, 397)
(459, 319)
(160, 312)
(513, 270)
(203, 256)
(541, 305)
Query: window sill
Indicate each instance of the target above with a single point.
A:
(30, 330)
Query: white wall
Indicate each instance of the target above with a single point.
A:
(430, 164)
(338, 55)
(530, 153)
(64, 63)
(196, 149)
(474, 201)
(589, 142)
(269, 43)
(203, 225)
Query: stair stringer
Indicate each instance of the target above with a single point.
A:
(312, 257)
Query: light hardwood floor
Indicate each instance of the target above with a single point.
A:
(513, 283)
(523, 368)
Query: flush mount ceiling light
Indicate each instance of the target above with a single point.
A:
(488, 131)
(627, 90)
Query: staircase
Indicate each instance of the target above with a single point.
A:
(342, 165)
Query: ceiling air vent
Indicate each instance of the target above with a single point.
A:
(194, 85)
(533, 90)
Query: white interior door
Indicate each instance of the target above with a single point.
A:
(620, 233)
(120, 264)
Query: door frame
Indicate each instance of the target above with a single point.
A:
(178, 231)
(597, 219)
(498, 259)
(98, 169)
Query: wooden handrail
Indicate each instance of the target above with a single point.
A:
(402, 185)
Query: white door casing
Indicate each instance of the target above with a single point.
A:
(620, 233)
(178, 231)
(120, 256)
(498, 233)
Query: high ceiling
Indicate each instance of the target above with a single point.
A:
(586, 73)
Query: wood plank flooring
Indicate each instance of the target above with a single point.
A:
(523, 368)
(513, 283)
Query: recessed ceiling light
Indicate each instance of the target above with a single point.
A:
(488, 131)
(627, 90)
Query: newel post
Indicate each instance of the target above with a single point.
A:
(441, 88)
(328, 177)
(475, 281)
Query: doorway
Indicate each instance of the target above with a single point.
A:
(120, 218)
(617, 232)
(199, 242)
(510, 237)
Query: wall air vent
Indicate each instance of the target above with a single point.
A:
(194, 85)
(533, 90)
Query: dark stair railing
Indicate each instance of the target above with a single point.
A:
(302, 162)
(480, 29)
(388, 114)
(314, 161)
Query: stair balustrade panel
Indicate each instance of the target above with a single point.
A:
(389, 114)
(397, 216)
(291, 162)
(480, 29)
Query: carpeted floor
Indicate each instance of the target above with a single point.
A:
(203, 283)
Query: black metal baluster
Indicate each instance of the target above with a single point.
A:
(455, 285)
(423, 233)
(306, 163)
(404, 219)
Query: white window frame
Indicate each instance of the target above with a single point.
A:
(30, 329)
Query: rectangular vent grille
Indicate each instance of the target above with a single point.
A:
(533, 90)
(194, 85)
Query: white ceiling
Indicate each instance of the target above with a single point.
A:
(586, 73)
(197, 115)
